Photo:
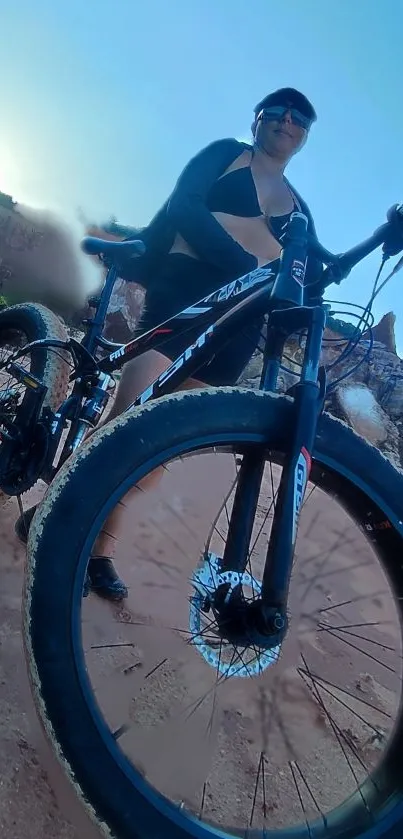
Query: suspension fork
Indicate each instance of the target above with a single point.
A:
(308, 403)
(252, 467)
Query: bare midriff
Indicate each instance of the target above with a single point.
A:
(252, 233)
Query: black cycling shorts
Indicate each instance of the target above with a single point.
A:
(183, 282)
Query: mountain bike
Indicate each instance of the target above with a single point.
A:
(237, 621)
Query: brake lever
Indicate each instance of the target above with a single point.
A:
(397, 267)
(393, 243)
(335, 273)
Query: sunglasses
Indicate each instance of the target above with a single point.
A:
(275, 113)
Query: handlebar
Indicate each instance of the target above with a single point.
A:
(390, 235)
(339, 266)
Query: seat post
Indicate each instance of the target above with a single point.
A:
(113, 255)
(100, 304)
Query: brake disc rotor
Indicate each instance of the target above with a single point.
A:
(223, 656)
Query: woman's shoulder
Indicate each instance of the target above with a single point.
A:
(227, 146)
(231, 141)
(205, 167)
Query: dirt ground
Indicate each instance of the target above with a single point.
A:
(35, 800)
(31, 805)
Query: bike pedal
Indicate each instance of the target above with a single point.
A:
(27, 379)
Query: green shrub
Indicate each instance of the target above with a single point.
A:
(342, 327)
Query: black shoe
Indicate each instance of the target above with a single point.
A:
(23, 524)
(103, 579)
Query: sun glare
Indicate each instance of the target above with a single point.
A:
(10, 173)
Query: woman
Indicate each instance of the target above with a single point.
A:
(226, 216)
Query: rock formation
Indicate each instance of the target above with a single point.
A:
(384, 332)
(40, 259)
(365, 387)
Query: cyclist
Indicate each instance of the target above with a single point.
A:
(226, 216)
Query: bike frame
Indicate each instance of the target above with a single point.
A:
(218, 312)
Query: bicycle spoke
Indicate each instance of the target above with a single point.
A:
(348, 707)
(320, 573)
(321, 681)
(310, 793)
(300, 799)
(358, 649)
(360, 638)
(339, 737)
(352, 601)
(260, 772)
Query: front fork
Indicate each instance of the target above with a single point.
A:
(308, 403)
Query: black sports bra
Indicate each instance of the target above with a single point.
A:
(235, 194)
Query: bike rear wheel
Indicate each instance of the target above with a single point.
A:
(21, 325)
(174, 427)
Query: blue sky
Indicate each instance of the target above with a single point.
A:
(102, 105)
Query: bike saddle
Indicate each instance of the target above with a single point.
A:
(114, 251)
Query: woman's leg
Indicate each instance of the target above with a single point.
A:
(137, 375)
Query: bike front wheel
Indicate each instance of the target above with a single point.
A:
(92, 744)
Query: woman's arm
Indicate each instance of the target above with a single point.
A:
(188, 213)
